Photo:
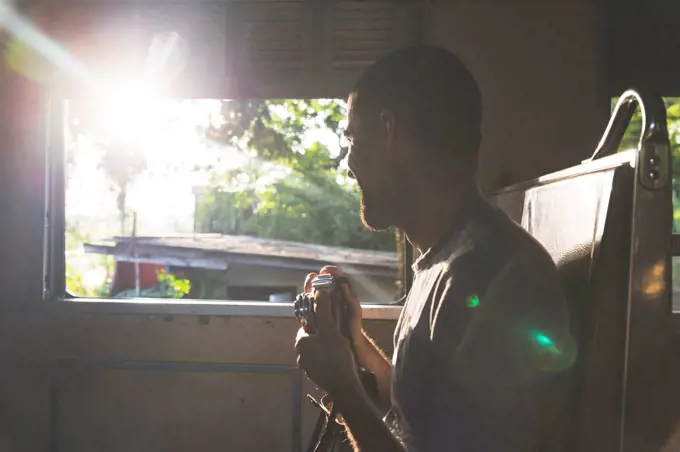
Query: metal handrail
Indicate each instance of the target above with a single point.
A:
(653, 113)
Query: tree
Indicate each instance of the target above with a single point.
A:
(122, 161)
(291, 190)
(121, 164)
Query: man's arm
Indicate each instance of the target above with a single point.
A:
(364, 422)
(371, 357)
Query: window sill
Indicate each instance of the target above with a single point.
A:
(148, 306)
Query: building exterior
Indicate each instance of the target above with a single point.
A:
(242, 268)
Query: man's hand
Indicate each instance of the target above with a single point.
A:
(327, 359)
(325, 355)
(352, 303)
(368, 353)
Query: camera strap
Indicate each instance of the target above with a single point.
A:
(327, 432)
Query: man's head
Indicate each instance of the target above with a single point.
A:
(414, 117)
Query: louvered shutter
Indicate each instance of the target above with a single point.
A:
(272, 45)
(97, 42)
(247, 49)
(313, 48)
(362, 32)
(197, 62)
(110, 40)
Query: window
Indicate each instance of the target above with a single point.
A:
(262, 293)
(630, 140)
(183, 197)
(213, 199)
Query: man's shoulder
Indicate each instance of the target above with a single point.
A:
(527, 265)
(493, 248)
(527, 281)
(490, 232)
(528, 254)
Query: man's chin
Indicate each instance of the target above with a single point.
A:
(374, 222)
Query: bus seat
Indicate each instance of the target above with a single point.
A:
(576, 215)
(588, 217)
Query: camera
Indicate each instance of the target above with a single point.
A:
(304, 308)
(304, 303)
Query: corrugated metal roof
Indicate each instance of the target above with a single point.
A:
(254, 246)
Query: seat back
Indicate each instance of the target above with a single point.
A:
(604, 226)
(574, 217)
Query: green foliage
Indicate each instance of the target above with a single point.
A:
(75, 235)
(172, 286)
(78, 264)
(169, 286)
(76, 283)
(673, 116)
(206, 284)
(291, 190)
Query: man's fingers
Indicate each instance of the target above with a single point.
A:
(346, 288)
(307, 348)
(301, 346)
(323, 311)
(325, 319)
(300, 334)
(349, 294)
(308, 282)
(332, 270)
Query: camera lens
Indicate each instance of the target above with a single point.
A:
(303, 309)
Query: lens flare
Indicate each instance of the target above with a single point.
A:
(552, 352)
(472, 301)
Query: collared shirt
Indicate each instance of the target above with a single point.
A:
(483, 354)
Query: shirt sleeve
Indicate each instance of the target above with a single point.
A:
(502, 361)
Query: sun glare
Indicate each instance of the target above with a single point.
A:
(129, 111)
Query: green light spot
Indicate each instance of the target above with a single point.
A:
(544, 340)
(473, 301)
(552, 353)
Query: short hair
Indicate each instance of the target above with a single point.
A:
(431, 91)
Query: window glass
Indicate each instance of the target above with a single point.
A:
(214, 199)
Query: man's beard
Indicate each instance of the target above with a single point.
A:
(376, 214)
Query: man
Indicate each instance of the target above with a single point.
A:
(482, 348)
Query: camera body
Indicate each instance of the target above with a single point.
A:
(305, 310)
(328, 426)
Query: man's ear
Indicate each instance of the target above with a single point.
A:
(388, 123)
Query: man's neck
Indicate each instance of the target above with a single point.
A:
(430, 219)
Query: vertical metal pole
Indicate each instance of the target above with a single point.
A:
(55, 222)
(408, 262)
(134, 252)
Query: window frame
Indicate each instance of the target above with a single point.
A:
(54, 263)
